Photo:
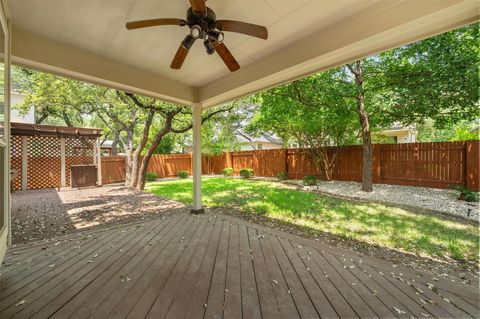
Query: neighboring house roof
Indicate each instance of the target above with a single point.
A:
(107, 144)
(263, 138)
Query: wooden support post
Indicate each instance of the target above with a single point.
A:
(63, 176)
(197, 159)
(24, 162)
(99, 163)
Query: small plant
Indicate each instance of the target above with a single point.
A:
(151, 176)
(282, 176)
(309, 180)
(228, 171)
(246, 172)
(183, 174)
(466, 194)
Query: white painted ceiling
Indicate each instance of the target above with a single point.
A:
(87, 39)
(99, 26)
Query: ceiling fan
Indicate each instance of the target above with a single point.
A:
(203, 24)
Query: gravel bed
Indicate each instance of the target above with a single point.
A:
(432, 199)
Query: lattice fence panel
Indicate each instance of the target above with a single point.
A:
(16, 160)
(78, 151)
(43, 162)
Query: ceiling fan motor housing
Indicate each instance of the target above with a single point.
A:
(207, 23)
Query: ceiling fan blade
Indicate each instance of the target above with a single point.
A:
(242, 27)
(179, 57)
(199, 7)
(154, 22)
(226, 56)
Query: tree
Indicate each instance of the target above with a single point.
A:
(310, 113)
(211, 146)
(131, 119)
(53, 97)
(436, 79)
(175, 119)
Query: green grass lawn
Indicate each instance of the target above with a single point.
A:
(371, 223)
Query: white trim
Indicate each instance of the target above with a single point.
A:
(197, 156)
(4, 242)
(5, 234)
(41, 53)
(99, 162)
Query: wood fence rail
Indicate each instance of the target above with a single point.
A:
(439, 165)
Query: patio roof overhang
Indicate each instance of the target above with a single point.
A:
(87, 40)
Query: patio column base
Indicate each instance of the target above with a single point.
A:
(197, 211)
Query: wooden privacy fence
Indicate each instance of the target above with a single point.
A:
(113, 169)
(439, 165)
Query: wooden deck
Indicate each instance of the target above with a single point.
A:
(186, 266)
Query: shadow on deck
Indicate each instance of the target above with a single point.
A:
(213, 266)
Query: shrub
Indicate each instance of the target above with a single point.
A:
(151, 176)
(246, 172)
(183, 174)
(465, 194)
(282, 176)
(309, 180)
(228, 171)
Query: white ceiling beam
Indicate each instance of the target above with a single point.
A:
(379, 28)
(43, 54)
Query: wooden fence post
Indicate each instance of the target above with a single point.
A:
(24, 162)
(99, 162)
(472, 164)
(63, 179)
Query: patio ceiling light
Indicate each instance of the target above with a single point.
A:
(196, 31)
(209, 47)
(216, 35)
(188, 42)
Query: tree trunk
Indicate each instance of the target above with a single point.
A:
(138, 151)
(148, 155)
(366, 134)
(116, 139)
(128, 158)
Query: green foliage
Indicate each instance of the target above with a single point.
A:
(465, 194)
(309, 180)
(246, 172)
(282, 176)
(435, 78)
(151, 176)
(183, 174)
(462, 131)
(228, 171)
(166, 146)
(370, 223)
(310, 112)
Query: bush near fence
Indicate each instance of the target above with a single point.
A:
(439, 165)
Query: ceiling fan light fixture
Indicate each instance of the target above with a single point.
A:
(216, 35)
(209, 47)
(196, 31)
(203, 24)
(188, 42)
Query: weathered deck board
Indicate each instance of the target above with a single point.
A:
(207, 266)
